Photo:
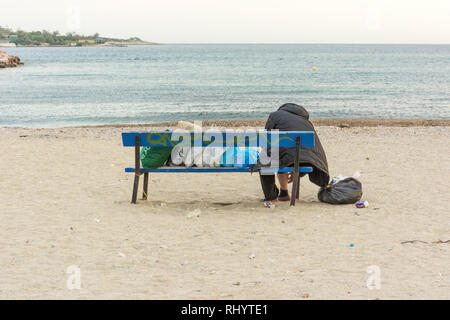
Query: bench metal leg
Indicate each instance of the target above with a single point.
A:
(137, 166)
(135, 188)
(145, 189)
(295, 188)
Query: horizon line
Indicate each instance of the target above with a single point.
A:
(347, 43)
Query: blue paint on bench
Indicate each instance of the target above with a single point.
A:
(211, 138)
(210, 169)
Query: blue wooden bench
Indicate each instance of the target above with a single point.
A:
(294, 139)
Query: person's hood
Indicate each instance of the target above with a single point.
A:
(295, 109)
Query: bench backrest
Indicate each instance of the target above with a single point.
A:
(215, 138)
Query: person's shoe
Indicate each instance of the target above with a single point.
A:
(284, 195)
(284, 198)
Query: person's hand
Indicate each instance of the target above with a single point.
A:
(290, 177)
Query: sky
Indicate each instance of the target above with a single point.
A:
(239, 21)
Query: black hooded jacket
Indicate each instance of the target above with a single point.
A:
(292, 117)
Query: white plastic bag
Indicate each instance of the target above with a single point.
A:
(212, 156)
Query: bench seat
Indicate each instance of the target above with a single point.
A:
(219, 169)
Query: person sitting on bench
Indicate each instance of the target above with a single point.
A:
(292, 117)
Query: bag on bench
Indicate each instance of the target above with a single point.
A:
(240, 157)
(152, 158)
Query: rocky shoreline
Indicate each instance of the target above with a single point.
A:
(9, 61)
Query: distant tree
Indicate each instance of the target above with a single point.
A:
(53, 38)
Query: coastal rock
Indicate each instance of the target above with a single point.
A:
(7, 61)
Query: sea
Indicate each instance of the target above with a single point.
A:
(72, 86)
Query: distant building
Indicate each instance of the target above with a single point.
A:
(11, 37)
(6, 43)
(99, 40)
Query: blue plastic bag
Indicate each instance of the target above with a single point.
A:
(239, 157)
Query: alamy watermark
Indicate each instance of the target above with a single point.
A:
(74, 278)
(374, 279)
(73, 22)
(230, 147)
(372, 18)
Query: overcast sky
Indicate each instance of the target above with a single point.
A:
(239, 21)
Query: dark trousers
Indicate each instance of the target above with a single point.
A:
(269, 187)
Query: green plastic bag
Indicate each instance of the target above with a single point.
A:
(154, 157)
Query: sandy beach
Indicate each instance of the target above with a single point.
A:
(65, 201)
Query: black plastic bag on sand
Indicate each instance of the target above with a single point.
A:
(345, 191)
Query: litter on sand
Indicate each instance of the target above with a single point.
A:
(362, 204)
(194, 214)
(269, 204)
(341, 190)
